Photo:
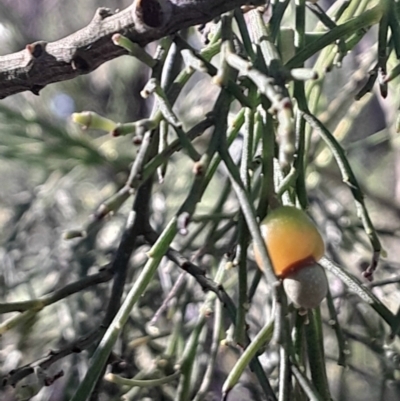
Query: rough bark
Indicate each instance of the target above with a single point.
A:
(42, 63)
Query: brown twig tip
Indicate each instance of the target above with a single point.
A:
(101, 212)
(116, 38)
(369, 272)
(74, 234)
(198, 168)
(183, 222)
(48, 381)
(368, 275)
(153, 13)
(137, 140)
(286, 104)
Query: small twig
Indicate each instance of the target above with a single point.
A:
(350, 179)
(101, 355)
(363, 292)
(102, 276)
(335, 325)
(367, 19)
(387, 281)
(315, 350)
(122, 381)
(197, 272)
(14, 376)
(211, 363)
(117, 269)
(172, 294)
(135, 226)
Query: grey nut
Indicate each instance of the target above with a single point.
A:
(306, 287)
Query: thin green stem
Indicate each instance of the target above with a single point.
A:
(284, 375)
(122, 381)
(277, 15)
(362, 291)
(263, 337)
(335, 325)
(212, 358)
(243, 233)
(265, 129)
(300, 160)
(315, 350)
(350, 179)
(305, 384)
(188, 358)
(367, 19)
(273, 87)
(249, 213)
(102, 353)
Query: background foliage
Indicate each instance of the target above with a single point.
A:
(55, 176)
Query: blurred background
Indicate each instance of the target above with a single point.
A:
(54, 176)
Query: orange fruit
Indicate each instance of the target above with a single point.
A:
(292, 240)
(295, 245)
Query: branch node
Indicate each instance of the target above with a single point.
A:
(102, 13)
(37, 49)
(35, 89)
(153, 13)
(79, 63)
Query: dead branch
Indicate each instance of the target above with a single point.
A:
(42, 63)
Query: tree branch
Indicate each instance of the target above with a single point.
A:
(42, 63)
